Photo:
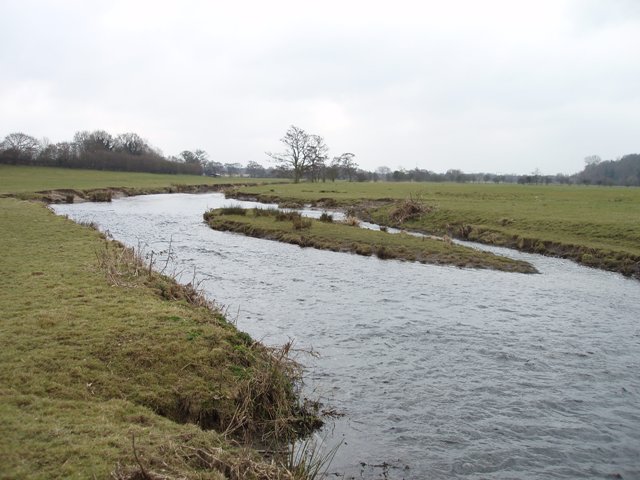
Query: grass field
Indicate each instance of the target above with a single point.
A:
(95, 351)
(21, 179)
(597, 226)
(345, 237)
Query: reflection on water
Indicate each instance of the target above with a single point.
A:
(441, 372)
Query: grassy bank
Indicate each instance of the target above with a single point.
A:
(596, 226)
(344, 237)
(97, 353)
(54, 184)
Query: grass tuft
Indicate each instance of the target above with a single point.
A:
(352, 221)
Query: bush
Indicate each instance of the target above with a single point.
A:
(327, 218)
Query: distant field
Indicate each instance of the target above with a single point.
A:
(606, 219)
(21, 179)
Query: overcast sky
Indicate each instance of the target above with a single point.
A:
(496, 86)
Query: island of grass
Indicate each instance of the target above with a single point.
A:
(325, 234)
(595, 226)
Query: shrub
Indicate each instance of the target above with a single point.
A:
(327, 218)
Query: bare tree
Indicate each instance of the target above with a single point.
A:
(213, 169)
(255, 170)
(348, 164)
(316, 156)
(384, 172)
(592, 160)
(102, 140)
(96, 141)
(131, 143)
(20, 145)
(198, 156)
(233, 169)
(333, 170)
(296, 141)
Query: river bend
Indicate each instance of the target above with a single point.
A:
(441, 372)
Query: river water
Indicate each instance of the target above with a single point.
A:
(440, 372)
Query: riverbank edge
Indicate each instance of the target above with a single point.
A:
(369, 247)
(106, 194)
(373, 211)
(177, 430)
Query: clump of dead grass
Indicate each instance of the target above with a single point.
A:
(131, 267)
(268, 404)
(409, 209)
(351, 221)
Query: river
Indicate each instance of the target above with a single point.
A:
(440, 372)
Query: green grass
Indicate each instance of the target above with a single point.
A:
(23, 179)
(290, 228)
(95, 350)
(571, 221)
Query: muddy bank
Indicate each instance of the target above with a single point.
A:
(66, 195)
(604, 259)
(620, 262)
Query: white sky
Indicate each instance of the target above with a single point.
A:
(496, 86)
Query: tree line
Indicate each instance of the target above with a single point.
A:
(304, 156)
(97, 150)
(624, 171)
